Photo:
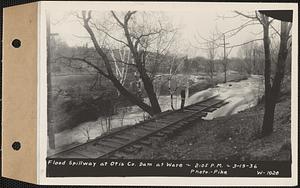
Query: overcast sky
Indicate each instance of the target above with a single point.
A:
(190, 23)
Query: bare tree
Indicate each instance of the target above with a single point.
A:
(211, 45)
(172, 72)
(211, 48)
(121, 69)
(246, 53)
(105, 124)
(86, 132)
(252, 57)
(186, 70)
(272, 88)
(138, 39)
(123, 111)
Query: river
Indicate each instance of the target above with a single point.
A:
(240, 95)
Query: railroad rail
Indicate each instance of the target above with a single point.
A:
(135, 137)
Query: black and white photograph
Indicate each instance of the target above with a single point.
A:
(209, 84)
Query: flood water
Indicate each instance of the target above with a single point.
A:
(240, 95)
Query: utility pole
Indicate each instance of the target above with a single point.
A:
(225, 58)
(51, 134)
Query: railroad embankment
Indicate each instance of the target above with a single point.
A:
(234, 137)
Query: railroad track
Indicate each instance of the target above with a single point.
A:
(134, 138)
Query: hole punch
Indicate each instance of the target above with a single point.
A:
(16, 43)
(16, 146)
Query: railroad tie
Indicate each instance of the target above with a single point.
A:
(191, 109)
(181, 123)
(218, 105)
(114, 141)
(129, 149)
(167, 131)
(160, 134)
(221, 104)
(149, 128)
(119, 155)
(107, 145)
(210, 103)
(211, 109)
(166, 122)
(196, 108)
(137, 147)
(184, 122)
(145, 142)
(123, 137)
(140, 131)
(201, 114)
(154, 126)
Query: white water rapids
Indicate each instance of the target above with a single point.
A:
(240, 95)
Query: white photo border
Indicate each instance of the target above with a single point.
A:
(160, 181)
